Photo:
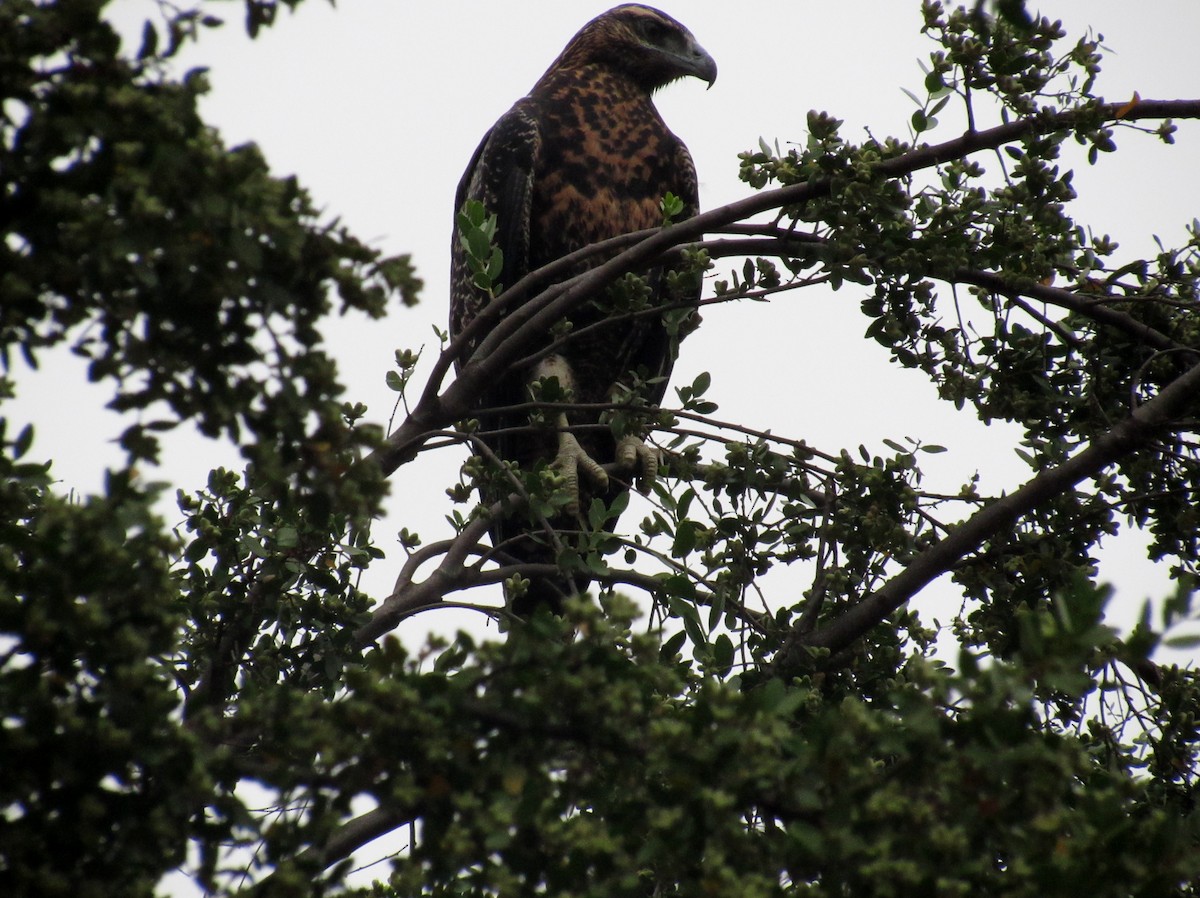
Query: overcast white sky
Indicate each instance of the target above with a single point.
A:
(377, 106)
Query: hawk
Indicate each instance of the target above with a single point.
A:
(584, 157)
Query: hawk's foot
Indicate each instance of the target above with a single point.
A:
(634, 455)
(569, 461)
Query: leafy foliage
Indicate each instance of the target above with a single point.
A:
(222, 698)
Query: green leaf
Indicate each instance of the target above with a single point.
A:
(671, 647)
(684, 502)
(478, 244)
(1183, 642)
(597, 514)
(685, 539)
(671, 207)
(722, 654)
(686, 612)
(23, 441)
(149, 44)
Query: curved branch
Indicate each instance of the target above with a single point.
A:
(1132, 433)
(509, 334)
(344, 841)
(408, 597)
(1091, 307)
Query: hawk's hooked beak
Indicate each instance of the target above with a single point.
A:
(697, 62)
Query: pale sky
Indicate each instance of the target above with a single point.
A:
(377, 106)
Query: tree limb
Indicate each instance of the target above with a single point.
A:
(344, 841)
(507, 340)
(1128, 435)
(1091, 307)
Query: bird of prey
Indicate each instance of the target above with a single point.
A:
(585, 156)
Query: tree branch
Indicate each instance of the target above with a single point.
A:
(1130, 434)
(509, 335)
(344, 841)
(1091, 307)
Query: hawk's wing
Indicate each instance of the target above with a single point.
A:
(499, 175)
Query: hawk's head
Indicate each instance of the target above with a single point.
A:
(642, 42)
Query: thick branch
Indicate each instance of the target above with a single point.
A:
(509, 338)
(344, 841)
(1130, 434)
(408, 597)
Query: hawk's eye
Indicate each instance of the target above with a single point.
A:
(655, 32)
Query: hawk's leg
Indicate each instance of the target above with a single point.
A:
(571, 458)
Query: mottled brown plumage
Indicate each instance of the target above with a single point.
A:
(584, 157)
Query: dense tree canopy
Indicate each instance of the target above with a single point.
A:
(221, 698)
